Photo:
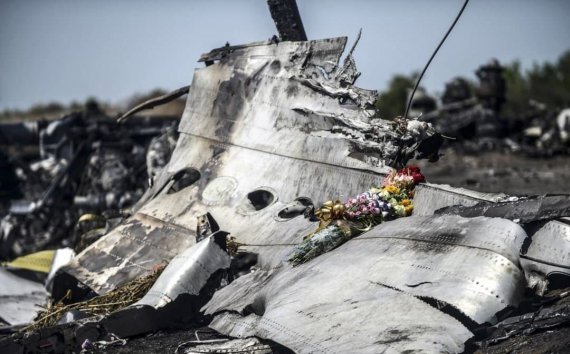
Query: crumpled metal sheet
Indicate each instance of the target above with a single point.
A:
(128, 251)
(259, 97)
(547, 251)
(185, 285)
(548, 254)
(378, 277)
(470, 264)
(430, 197)
(188, 272)
(263, 113)
(528, 323)
(355, 320)
(523, 210)
(19, 298)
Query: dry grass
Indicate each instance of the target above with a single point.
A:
(101, 305)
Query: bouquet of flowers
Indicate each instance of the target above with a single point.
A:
(338, 221)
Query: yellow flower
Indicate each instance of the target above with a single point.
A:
(406, 202)
(392, 189)
(409, 209)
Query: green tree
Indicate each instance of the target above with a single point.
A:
(517, 95)
(546, 83)
(392, 102)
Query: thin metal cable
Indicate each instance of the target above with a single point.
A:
(431, 58)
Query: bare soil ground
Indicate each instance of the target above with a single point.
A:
(498, 172)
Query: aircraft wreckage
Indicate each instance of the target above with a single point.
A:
(272, 130)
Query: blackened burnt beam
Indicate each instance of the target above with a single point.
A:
(287, 19)
(155, 101)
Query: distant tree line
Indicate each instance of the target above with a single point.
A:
(54, 110)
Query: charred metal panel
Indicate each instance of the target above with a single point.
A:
(283, 99)
(523, 210)
(521, 328)
(128, 251)
(267, 117)
(472, 264)
(378, 277)
(547, 257)
(287, 19)
(182, 288)
(368, 318)
(430, 197)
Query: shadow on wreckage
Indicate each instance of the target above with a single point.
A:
(225, 215)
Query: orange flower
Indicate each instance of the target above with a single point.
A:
(406, 202)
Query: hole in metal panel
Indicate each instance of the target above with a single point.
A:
(183, 179)
(260, 199)
(295, 208)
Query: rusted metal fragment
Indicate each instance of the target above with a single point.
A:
(469, 265)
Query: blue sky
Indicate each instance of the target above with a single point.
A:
(64, 50)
